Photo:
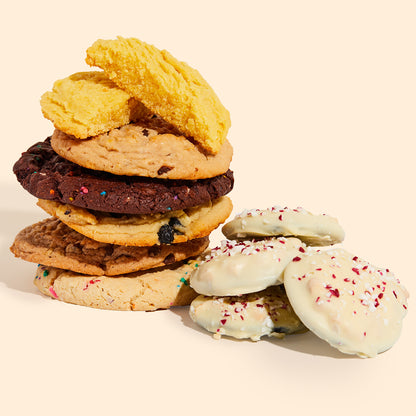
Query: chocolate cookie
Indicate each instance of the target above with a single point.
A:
(46, 175)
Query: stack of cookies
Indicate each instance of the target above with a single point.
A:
(279, 283)
(134, 178)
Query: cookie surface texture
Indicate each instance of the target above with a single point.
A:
(140, 291)
(315, 230)
(143, 230)
(354, 306)
(88, 103)
(138, 150)
(47, 175)
(52, 243)
(248, 316)
(168, 87)
(236, 268)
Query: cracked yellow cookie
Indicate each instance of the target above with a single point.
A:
(88, 103)
(146, 148)
(168, 87)
(142, 230)
(52, 243)
(140, 291)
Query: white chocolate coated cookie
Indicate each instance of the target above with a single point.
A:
(249, 316)
(354, 306)
(235, 268)
(314, 230)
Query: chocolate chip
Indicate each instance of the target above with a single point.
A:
(281, 330)
(169, 259)
(163, 169)
(67, 212)
(166, 234)
(145, 132)
(174, 221)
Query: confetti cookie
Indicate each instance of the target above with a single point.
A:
(236, 268)
(141, 291)
(142, 230)
(315, 230)
(248, 316)
(141, 150)
(88, 103)
(168, 87)
(354, 306)
(52, 243)
(47, 175)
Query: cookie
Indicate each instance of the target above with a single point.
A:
(166, 86)
(140, 291)
(354, 306)
(236, 268)
(47, 175)
(142, 230)
(248, 316)
(52, 243)
(88, 103)
(139, 150)
(315, 230)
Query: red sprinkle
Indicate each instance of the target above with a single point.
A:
(280, 217)
(301, 249)
(334, 292)
(260, 306)
(333, 276)
(394, 293)
(347, 280)
(223, 321)
(296, 258)
(380, 295)
(355, 270)
(319, 269)
(355, 258)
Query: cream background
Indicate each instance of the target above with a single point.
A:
(322, 98)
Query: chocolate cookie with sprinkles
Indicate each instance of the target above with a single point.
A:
(46, 175)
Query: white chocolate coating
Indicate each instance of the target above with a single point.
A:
(315, 230)
(249, 316)
(236, 268)
(354, 306)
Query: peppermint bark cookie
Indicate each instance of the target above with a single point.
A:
(47, 175)
(354, 306)
(52, 243)
(315, 230)
(248, 316)
(237, 268)
(143, 230)
(144, 149)
(141, 291)
(168, 87)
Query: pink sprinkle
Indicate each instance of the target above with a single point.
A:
(53, 292)
(84, 190)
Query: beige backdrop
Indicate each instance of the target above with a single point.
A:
(322, 99)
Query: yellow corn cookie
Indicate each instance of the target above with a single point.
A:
(142, 230)
(88, 103)
(168, 87)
